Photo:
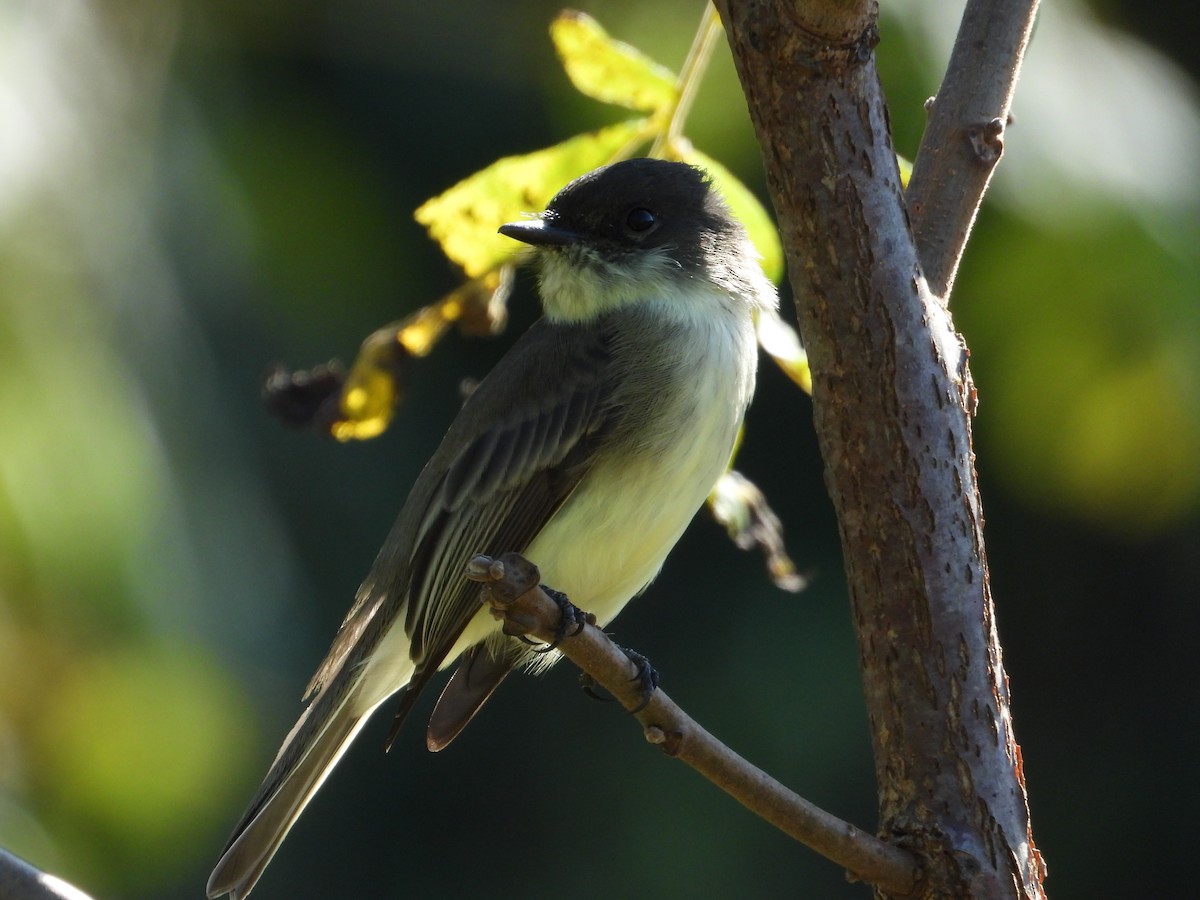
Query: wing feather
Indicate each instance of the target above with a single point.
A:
(517, 450)
(529, 472)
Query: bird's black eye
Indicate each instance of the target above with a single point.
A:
(640, 219)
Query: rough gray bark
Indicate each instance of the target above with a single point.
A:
(892, 401)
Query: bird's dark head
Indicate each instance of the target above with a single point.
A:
(629, 231)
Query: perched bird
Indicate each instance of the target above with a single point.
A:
(588, 449)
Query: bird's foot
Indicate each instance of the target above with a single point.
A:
(571, 621)
(647, 676)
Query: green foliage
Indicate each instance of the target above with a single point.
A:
(109, 734)
(319, 227)
(1090, 388)
(127, 739)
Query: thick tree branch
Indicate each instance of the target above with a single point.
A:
(964, 136)
(511, 587)
(891, 404)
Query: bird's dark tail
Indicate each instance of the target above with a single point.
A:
(307, 756)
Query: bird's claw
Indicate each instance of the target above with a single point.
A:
(571, 621)
(647, 676)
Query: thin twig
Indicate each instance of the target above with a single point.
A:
(511, 587)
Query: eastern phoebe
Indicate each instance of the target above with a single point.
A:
(588, 449)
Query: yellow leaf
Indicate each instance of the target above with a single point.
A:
(478, 305)
(464, 218)
(905, 170)
(745, 206)
(783, 345)
(375, 383)
(419, 332)
(609, 70)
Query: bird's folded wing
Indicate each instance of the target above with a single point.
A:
(502, 471)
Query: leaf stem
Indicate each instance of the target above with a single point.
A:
(690, 76)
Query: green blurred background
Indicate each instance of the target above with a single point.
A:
(191, 191)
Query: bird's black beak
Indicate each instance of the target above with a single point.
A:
(540, 233)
